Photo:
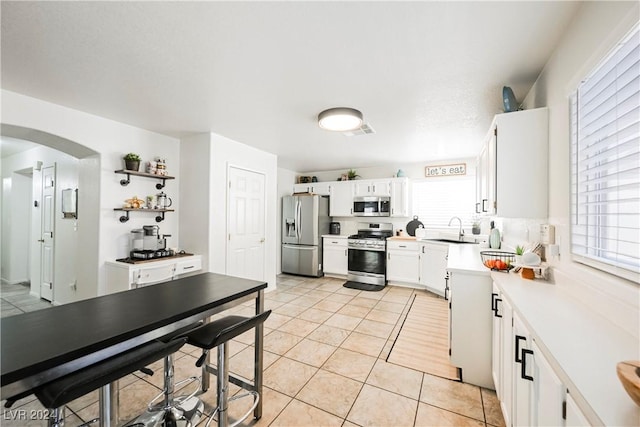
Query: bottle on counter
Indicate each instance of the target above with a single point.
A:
(494, 237)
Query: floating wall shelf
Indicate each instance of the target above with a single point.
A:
(159, 186)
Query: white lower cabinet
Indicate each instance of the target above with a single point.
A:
(529, 390)
(121, 276)
(433, 267)
(502, 353)
(574, 416)
(403, 261)
(335, 255)
(471, 326)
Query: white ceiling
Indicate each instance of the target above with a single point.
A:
(427, 76)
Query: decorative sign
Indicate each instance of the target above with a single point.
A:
(445, 170)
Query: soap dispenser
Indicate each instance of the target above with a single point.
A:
(494, 237)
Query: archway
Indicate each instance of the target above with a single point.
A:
(75, 270)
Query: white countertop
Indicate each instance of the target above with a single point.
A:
(335, 236)
(466, 258)
(582, 346)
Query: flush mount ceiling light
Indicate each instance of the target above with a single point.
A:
(340, 119)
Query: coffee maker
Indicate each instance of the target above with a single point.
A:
(154, 244)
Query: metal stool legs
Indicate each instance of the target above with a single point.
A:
(172, 411)
(218, 334)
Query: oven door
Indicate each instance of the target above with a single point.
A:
(367, 261)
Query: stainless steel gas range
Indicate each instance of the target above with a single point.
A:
(367, 260)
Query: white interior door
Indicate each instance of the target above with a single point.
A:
(246, 224)
(47, 236)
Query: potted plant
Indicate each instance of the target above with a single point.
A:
(519, 252)
(132, 162)
(351, 174)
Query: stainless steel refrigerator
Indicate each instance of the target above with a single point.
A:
(304, 220)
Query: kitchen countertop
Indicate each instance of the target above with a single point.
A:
(466, 259)
(582, 346)
(336, 236)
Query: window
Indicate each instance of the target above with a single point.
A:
(605, 163)
(436, 200)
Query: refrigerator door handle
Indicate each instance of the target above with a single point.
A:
(298, 208)
(301, 248)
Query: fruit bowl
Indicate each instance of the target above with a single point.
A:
(498, 261)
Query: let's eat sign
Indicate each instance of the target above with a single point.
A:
(445, 170)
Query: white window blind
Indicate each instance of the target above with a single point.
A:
(605, 144)
(436, 200)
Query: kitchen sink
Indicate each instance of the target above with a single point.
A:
(453, 241)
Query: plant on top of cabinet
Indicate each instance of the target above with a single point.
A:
(132, 162)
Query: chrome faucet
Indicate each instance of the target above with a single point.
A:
(460, 231)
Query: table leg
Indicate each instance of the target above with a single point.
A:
(109, 402)
(259, 343)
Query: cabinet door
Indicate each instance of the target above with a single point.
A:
(403, 266)
(433, 267)
(341, 199)
(301, 188)
(521, 164)
(335, 256)
(502, 360)
(400, 197)
(321, 188)
(575, 417)
(548, 391)
(522, 374)
(372, 188)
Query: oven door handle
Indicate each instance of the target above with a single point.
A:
(367, 249)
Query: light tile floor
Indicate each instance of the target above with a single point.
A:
(325, 364)
(15, 299)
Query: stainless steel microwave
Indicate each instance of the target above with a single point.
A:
(371, 206)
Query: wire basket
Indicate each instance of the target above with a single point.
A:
(498, 261)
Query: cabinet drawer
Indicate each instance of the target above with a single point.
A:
(151, 275)
(335, 242)
(402, 245)
(188, 266)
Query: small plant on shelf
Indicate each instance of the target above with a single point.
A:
(519, 250)
(352, 174)
(132, 162)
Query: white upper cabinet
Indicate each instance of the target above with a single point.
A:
(400, 197)
(513, 166)
(341, 198)
(321, 188)
(372, 188)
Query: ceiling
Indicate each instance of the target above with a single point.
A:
(427, 76)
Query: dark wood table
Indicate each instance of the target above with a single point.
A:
(40, 346)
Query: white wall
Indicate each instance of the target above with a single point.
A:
(17, 228)
(414, 171)
(226, 152)
(286, 179)
(19, 233)
(594, 31)
(195, 196)
(111, 140)
(205, 159)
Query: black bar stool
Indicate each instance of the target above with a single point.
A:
(173, 410)
(217, 334)
(56, 394)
